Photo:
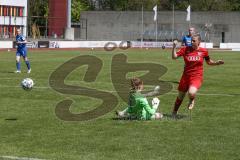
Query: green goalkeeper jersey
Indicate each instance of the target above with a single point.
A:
(139, 107)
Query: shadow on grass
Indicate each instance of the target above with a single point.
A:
(176, 82)
(7, 72)
(177, 117)
(165, 117)
(11, 119)
(124, 119)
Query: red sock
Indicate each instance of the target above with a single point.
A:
(192, 97)
(178, 103)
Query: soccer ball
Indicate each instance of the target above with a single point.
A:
(27, 84)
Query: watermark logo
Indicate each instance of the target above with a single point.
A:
(119, 69)
(124, 45)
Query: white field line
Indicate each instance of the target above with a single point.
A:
(6, 78)
(171, 93)
(18, 158)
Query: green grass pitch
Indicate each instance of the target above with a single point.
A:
(29, 126)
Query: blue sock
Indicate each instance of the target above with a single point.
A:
(28, 64)
(18, 66)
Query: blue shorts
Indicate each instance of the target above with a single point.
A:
(22, 52)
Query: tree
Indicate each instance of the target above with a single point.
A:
(38, 9)
(77, 7)
(37, 15)
(136, 5)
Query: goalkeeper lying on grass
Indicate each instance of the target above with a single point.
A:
(138, 107)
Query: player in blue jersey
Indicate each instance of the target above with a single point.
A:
(21, 51)
(187, 40)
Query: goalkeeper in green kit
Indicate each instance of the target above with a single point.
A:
(138, 106)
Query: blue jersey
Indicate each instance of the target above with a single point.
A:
(187, 40)
(21, 46)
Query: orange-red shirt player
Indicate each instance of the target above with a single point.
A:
(192, 76)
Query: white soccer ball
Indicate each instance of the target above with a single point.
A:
(27, 84)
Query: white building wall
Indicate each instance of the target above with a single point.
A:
(4, 20)
(14, 2)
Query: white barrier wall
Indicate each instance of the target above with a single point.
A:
(101, 44)
(82, 44)
(138, 44)
(6, 44)
(206, 45)
(230, 45)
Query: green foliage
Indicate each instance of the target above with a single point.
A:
(37, 14)
(77, 7)
(38, 7)
(235, 5)
(136, 5)
(124, 5)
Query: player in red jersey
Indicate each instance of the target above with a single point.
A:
(192, 76)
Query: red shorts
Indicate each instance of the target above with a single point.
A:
(187, 81)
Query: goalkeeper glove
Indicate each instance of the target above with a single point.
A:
(155, 103)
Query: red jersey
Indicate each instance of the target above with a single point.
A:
(193, 60)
